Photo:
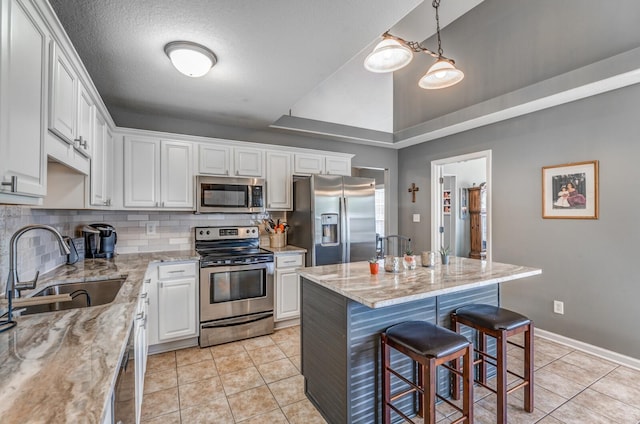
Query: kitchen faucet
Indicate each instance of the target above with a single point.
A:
(14, 286)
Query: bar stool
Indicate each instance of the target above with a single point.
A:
(498, 323)
(429, 346)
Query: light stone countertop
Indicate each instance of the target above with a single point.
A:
(60, 367)
(284, 250)
(354, 280)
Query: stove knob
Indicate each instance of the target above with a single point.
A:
(253, 231)
(201, 232)
(208, 232)
(248, 231)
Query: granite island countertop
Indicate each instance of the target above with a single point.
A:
(354, 280)
(60, 367)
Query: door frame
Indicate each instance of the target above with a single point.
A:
(436, 198)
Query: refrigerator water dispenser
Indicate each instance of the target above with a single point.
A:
(329, 222)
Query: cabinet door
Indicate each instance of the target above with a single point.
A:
(177, 309)
(141, 172)
(248, 162)
(287, 294)
(24, 54)
(98, 174)
(334, 165)
(64, 97)
(214, 160)
(140, 353)
(85, 135)
(108, 165)
(279, 181)
(308, 164)
(176, 174)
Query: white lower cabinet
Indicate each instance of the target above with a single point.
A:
(287, 286)
(141, 346)
(173, 309)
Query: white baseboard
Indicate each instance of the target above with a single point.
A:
(609, 355)
(279, 325)
(175, 345)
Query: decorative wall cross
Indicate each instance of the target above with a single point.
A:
(413, 190)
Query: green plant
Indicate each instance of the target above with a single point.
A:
(373, 260)
(408, 252)
(444, 251)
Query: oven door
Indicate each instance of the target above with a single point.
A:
(235, 290)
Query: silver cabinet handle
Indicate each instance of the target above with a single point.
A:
(162, 204)
(157, 204)
(139, 316)
(81, 142)
(143, 295)
(147, 281)
(13, 184)
(227, 172)
(176, 271)
(107, 202)
(237, 172)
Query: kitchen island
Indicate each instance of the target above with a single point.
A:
(61, 367)
(345, 308)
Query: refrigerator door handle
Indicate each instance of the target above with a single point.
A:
(346, 239)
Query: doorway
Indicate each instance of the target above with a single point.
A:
(451, 218)
(381, 176)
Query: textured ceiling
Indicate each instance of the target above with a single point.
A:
(270, 53)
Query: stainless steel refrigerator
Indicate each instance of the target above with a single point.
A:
(333, 218)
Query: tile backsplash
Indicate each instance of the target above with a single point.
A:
(38, 250)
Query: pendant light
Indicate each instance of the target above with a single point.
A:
(189, 58)
(394, 53)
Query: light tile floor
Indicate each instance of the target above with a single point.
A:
(258, 381)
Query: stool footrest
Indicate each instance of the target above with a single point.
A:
(401, 414)
(398, 395)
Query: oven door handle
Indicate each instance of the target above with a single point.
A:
(248, 267)
(232, 322)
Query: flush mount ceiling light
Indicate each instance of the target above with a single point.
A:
(394, 53)
(189, 58)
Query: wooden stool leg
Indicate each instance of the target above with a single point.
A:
(421, 371)
(430, 391)
(482, 347)
(501, 378)
(467, 384)
(528, 368)
(386, 381)
(455, 387)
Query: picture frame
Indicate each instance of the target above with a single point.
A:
(446, 202)
(570, 191)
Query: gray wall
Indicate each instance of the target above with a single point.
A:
(365, 156)
(588, 264)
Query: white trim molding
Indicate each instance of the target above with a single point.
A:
(609, 355)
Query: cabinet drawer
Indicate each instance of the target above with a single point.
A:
(288, 261)
(166, 272)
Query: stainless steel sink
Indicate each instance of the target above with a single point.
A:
(84, 294)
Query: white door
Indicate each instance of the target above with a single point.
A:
(98, 177)
(84, 137)
(334, 165)
(307, 164)
(24, 55)
(248, 162)
(287, 294)
(64, 97)
(279, 181)
(176, 174)
(177, 309)
(141, 172)
(214, 160)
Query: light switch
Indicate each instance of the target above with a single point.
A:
(416, 217)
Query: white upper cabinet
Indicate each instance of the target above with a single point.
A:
(305, 163)
(158, 174)
(141, 173)
(227, 160)
(101, 164)
(24, 54)
(64, 96)
(85, 134)
(279, 180)
(176, 174)
(308, 163)
(214, 160)
(248, 162)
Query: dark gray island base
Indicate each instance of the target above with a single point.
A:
(344, 310)
(341, 351)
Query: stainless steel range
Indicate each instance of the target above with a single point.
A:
(236, 284)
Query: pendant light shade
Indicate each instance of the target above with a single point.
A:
(189, 58)
(389, 55)
(441, 74)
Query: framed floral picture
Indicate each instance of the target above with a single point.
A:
(570, 191)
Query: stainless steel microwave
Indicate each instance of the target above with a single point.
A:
(229, 195)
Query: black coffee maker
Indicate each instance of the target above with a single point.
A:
(99, 241)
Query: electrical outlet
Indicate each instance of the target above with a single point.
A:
(416, 217)
(151, 228)
(558, 307)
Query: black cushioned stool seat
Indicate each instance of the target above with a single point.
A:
(499, 323)
(429, 346)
